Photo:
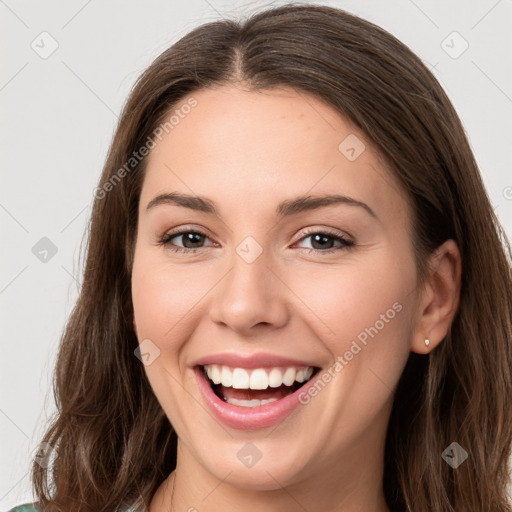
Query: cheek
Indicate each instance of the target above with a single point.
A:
(165, 298)
(362, 315)
(366, 303)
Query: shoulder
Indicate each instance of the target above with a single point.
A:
(32, 507)
(27, 507)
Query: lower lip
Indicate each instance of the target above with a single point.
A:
(250, 418)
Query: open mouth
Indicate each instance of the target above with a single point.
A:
(255, 387)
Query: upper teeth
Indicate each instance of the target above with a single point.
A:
(259, 378)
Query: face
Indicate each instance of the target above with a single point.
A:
(277, 327)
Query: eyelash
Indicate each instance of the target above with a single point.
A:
(346, 243)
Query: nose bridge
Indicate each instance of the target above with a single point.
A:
(249, 294)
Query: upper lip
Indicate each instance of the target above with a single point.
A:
(259, 360)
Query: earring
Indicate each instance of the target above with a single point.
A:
(427, 342)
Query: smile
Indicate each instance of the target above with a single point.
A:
(255, 387)
(253, 395)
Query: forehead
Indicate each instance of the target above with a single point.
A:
(255, 149)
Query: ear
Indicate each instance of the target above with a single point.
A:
(135, 327)
(439, 298)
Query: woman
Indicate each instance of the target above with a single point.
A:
(292, 260)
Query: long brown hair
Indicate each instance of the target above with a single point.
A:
(113, 444)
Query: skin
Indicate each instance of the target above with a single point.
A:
(247, 152)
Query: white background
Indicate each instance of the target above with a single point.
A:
(58, 118)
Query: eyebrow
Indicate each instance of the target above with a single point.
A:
(284, 209)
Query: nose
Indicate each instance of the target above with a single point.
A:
(250, 297)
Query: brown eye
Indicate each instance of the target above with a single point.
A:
(324, 241)
(190, 240)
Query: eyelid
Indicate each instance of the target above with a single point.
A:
(307, 231)
(345, 239)
(187, 229)
(168, 235)
(335, 233)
